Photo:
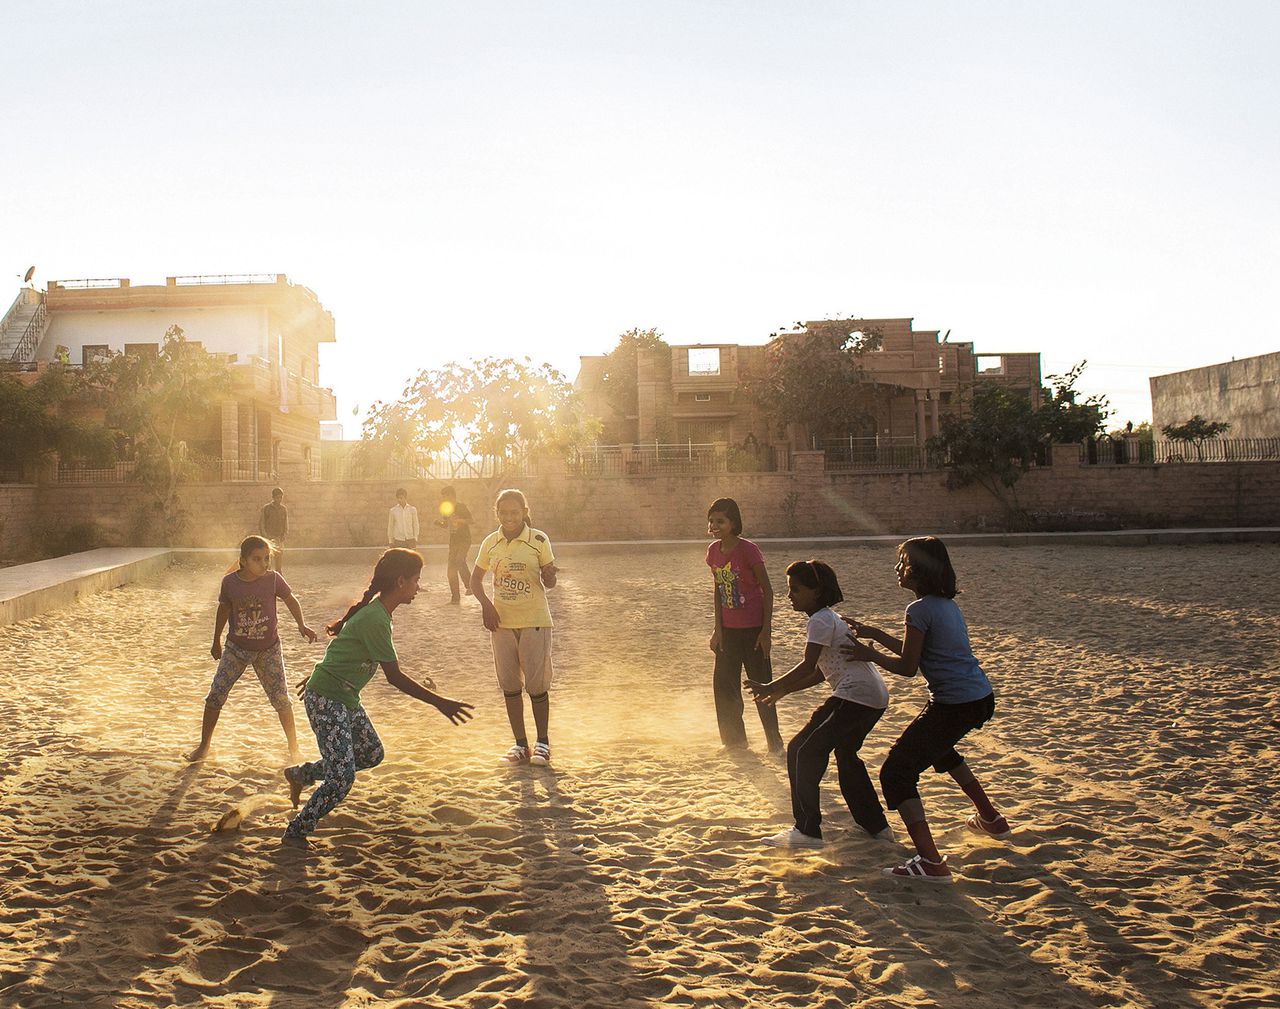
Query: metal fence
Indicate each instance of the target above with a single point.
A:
(657, 458)
(871, 454)
(1121, 451)
(356, 466)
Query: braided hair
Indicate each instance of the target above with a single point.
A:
(393, 565)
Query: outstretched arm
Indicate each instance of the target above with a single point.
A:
(765, 641)
(804, 674)
(906, 664)
(295, 608)
(456, 711)
(220, 625)
(861, 630)
(488, 612)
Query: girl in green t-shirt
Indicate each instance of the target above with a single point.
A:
(346, 738)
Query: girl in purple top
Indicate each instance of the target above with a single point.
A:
(247, 601)
(743, 606)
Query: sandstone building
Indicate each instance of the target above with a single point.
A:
(701, 397)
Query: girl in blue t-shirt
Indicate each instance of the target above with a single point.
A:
(936, 643)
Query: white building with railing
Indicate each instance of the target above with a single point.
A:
(266, 328)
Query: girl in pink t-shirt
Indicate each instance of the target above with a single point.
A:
(743, 601)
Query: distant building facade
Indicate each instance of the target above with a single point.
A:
(266, 328)
(701, 397)
(1243, 393)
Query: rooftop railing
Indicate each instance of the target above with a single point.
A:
(89, 283)
(202, 279)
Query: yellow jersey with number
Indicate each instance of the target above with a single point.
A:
(518, 593)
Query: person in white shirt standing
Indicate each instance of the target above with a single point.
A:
(402, 522)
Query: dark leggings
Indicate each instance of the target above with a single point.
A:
(838, 726)
(738, 650)
(930, 740)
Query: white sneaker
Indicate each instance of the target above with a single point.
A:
(541, 755)
(517, 754)
(792, 838)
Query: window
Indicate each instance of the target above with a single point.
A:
(91, 352)
(702, 397)
(989, 364)
(704, 361)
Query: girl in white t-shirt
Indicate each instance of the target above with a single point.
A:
(839, 725)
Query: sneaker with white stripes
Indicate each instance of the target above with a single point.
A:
(922, 869)
(517, 754)
(541, 755)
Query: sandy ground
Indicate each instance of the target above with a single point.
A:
(1134, 751)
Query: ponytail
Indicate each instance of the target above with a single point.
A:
(393, 565)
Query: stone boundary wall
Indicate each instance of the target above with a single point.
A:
(19, 518)
(805, 502)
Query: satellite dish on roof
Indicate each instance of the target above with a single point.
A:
(31, 272)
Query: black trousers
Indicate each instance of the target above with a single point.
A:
(737, 652)
(457, 570)
(837, 726)
(930, 740)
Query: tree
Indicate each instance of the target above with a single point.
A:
(991, 444)
(1196, 431)
(995, 440)
(814, 376)
(620, 374)
(498, 408)
(153, 399)
(1066, 420)
(34, 420)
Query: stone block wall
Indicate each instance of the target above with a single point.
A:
(805, 502)
(19, 518)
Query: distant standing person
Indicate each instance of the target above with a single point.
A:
(519, 619)
(273, 525)
(456, 517)
(743, 606)
(402, 522)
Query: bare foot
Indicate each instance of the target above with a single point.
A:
(199, 753)
(294, 841)
(295, 756)
(295, 788)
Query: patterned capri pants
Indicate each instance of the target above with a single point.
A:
(347, 742)
(268, 664)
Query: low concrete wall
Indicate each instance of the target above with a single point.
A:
(805, 502)
(27, 590)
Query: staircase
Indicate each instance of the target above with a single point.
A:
(23, 327)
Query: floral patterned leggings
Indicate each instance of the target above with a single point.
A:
(348, 743)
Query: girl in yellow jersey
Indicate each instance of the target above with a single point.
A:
(519, 619)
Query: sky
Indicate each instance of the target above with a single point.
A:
(1093, 181)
